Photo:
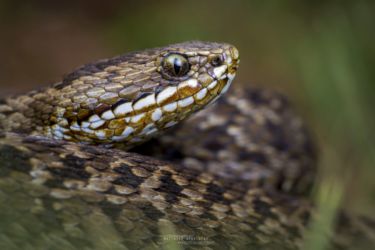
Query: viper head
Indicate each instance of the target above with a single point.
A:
(132, 97)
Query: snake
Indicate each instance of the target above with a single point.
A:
(147, 151)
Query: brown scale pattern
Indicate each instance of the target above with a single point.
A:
(73, 190)
(252, 135)
(239, 183)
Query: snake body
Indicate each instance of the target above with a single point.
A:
(234, 176)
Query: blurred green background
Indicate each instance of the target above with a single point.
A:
(320, 53)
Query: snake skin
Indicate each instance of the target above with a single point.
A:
(234, 176)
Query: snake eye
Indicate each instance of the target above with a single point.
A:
(176, 65)
(216, 60)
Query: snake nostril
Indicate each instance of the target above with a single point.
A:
(217, 60)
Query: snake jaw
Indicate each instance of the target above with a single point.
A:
(131, 98)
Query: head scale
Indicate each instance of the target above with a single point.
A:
(135, 96)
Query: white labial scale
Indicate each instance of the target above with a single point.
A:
(201, 94)
(123, 109)
(149, 129)
(219, 71)
(145, 102)
(97, 124)
(88, 130)
(75, 127)
(170, 107)
(127, 131)
(156, 115)
(108, 115)
(223, 77)
(94, 118)
(100, 135)
(85, 125)
(125, 134)
(212, 85)
(186, 102)
(192, 83)
(165, 94)
(58, 134)
(137, 118)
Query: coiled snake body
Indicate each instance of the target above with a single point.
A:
(234, 176)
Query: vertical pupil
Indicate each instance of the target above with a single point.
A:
(177, 65)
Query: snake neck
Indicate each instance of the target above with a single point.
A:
(23, 113)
